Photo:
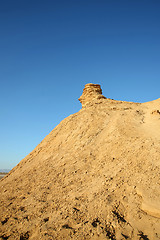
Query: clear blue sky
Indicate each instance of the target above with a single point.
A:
(50, 49)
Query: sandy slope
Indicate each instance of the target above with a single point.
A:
(95, 176)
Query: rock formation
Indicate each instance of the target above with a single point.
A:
(95, 176)
(91, 93)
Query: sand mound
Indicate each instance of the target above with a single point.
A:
(95, 176)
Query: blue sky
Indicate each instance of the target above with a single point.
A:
(50, 49)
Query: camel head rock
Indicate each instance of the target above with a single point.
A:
(91, 93)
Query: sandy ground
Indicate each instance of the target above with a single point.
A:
(95, 176)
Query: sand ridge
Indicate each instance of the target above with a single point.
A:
(95, 176)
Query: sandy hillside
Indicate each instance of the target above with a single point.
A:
(95, 176)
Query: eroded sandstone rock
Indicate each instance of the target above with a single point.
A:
(91, 92)
(95, 176)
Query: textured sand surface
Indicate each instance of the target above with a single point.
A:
(95, 176)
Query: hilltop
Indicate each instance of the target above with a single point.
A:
(95, 176)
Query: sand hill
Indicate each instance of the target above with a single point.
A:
(95, 176)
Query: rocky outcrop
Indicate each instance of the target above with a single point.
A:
(95, 176)
(91, 93)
